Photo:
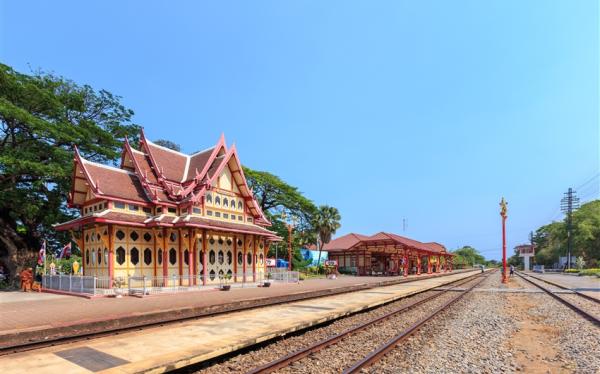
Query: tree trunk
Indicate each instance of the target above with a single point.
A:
(15, 254)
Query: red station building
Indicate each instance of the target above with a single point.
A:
(387, 254)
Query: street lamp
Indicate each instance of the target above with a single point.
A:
(290, 226)
(503, 215)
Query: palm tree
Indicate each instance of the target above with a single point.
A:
(326, 222)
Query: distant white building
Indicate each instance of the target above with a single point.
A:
(526, 251)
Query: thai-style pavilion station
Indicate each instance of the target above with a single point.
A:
(387, 254)
(163, 213)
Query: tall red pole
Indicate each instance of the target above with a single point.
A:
(289, 247)
(503, 215)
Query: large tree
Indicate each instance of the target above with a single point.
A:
(276, 197)
(468, 255)
(326, 222)
(42, 116)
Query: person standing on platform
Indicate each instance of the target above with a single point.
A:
(512, 270)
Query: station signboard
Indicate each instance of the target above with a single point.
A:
(271, 262)
(331, 263)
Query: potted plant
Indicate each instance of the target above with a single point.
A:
(225, 286)
(118, 282)
(267, 283)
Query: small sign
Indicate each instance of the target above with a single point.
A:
(271, 262)
(331, 263)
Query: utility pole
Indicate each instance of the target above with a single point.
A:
(503, 211)
(567, 204)
(403, 224)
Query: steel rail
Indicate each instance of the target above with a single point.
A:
(85, 336)
(383, 349)
(592, 318)
(324, 343)
(579, 293)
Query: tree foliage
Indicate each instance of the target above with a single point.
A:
(467, 256)
(326, 222)
(551, 240)
(168, 144)
(42, 116)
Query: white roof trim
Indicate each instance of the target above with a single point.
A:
(185, 170)
(136, 151)
(202, 151)
(107, 167)
(167, 149)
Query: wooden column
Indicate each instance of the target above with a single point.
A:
(165, 256)
(418, 263)
(405, 263)
(428, 263)
(83, 254)
(235, 239)
(180, 256)
(204, 262)
(253, 259)
(190, 257)
(244, 259)
(111, 257)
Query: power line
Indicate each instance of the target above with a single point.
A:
(588, 181)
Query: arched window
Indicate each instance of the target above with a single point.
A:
(120, 255)
(173, 237)
(262, 259)
(147, 237)
(159, 257)
(212, 275)
(240, 258)
(209, 198)
(232, 201)
(120, 235)
(87, 257)
(218, 200)
(229, 257)
(186, 253)
(221, 258)
(134, 236)
(147, 256)
(249, 258)
(211, 257)
(135, 255)
(93, 257)
(172, 256)
(240, 205)
(225, 202)
(99, 256)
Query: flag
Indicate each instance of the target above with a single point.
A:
(66, 251)
(42, 254)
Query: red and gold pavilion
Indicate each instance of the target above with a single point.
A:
(387, 254)
(163, 213)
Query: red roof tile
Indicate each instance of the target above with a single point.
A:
(115, 182)
(353, 240)
(171, 163)
(197, 162)
(228, 226)
(109, 217)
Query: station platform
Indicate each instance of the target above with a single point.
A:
(159, 349)
(584, 284)
(26, 317)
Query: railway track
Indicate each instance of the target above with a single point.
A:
(562, 287)
(380, 351)
(80, 335)
(575, 305)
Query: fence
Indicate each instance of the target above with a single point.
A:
(136, 285)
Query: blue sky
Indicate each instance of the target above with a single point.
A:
(428, 111)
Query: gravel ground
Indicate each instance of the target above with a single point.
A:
(577, 341)
(485, 332)
(467, 338)
(279, 348)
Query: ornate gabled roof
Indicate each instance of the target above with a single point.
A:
(158, 175)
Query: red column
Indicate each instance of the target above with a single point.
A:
(244, 259)
(253, 260)
(165, 256)
(418, 263)
(405, 264)
(235, 259)
(111, 257)
(428, 264)
(204, 260)
(190, 257)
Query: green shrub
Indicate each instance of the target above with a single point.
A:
(301, 276)
(572, 271)
(590, 272)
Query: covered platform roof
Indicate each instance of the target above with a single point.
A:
(355, 242)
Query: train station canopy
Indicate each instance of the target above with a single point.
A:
(358, 242)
